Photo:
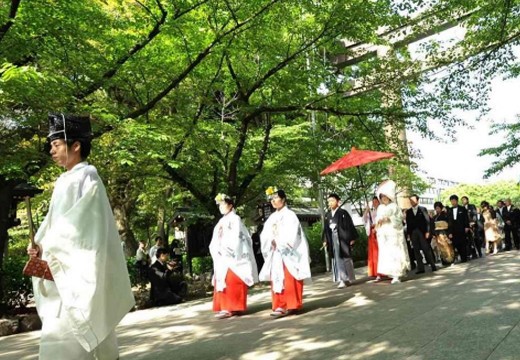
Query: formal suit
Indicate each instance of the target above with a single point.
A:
(161, 290)
(417, 226)
(473, 248)
(338, 232)
(504, 213)
(457, 225)
(513, 215)
(478, 232)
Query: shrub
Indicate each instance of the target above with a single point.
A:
(313, 234)
(314, 237)
(17, 287)
(360, 250)
(201, 265)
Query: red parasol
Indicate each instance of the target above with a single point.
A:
(356, 158)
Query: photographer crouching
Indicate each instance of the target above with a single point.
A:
(167, 288)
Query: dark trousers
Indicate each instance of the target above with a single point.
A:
(478, 240)
(474, 246)
(460, 243)
(516, 236)
(419, 243)
(411, 255)
(507, 237)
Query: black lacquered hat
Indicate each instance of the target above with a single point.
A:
(65, 126)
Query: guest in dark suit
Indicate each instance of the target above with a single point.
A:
(418, 231)
(339, 235)
(458, 227)
(478, 230)
(504, 215)
(512, 222)
(160, 274)
(473, 248)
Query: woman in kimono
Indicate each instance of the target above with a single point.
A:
(234, 265)
(491, 229)
(369, 218)
(393, 256)
(440, 221)
(286, 255)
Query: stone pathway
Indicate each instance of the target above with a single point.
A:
(468, 311)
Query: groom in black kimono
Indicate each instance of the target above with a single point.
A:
(339, 235)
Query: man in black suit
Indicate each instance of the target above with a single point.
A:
(478, 230)
(458, 227)
(512, 221)
(160, 274)
(339, 235)
(418, 231)
(473, 248)
(502, 211)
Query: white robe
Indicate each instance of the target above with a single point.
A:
(393, 257)
(91, 291)
(368, 221)
(292, 249)
(231, 248)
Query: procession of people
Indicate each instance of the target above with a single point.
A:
(88, 296)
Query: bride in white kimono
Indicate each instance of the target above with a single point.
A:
(393, 257)
(234, 264)
(79, 240)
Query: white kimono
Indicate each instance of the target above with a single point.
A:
(393, 257)
(292, 249)
(231, 248)
(91, 291)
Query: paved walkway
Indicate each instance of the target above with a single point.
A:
(468, 311)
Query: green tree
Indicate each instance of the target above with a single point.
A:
(491, 193)
(191, 98)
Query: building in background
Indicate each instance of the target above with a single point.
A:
(433, 193)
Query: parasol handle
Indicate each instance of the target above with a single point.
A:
(29, 219)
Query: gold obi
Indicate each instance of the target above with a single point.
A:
(441, 225)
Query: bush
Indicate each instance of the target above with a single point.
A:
(132, 271)
(360, 251)
(201, 265)
(17, 287)
(314, 233)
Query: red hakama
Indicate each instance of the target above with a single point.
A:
(373, 254)
(291, 298)
(233, 297)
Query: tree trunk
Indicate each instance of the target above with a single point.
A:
(126, 233)
(162, 230)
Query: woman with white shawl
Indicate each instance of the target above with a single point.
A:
(393, 256)
(286, 255)
(234, 264)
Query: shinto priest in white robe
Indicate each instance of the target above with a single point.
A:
(292, 249)
(231, 248)
(91, 291)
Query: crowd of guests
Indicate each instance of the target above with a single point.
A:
(398, 242)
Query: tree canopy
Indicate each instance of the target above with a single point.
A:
(191, 98)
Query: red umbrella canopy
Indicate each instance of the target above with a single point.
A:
(356, 158)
